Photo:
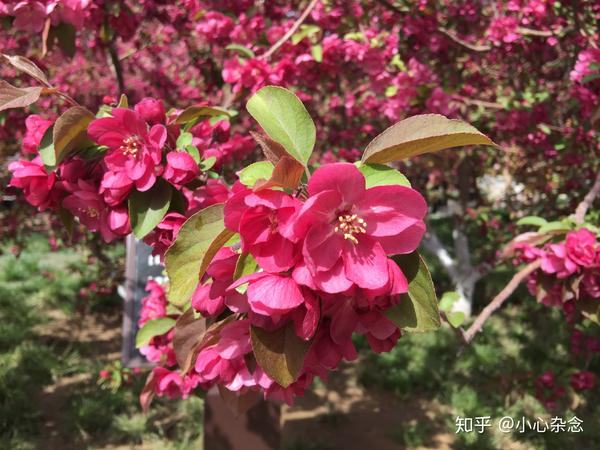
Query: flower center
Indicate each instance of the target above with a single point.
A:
(349, 225)
(92, 212)
(130, 146)
(273, 222)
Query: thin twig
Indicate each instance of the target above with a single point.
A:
(116, 62)
(497, 302)
(473, 101)
(587, 201)
(291, 31)
(455, 38)
(389, 6)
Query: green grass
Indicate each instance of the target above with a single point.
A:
(33, 363)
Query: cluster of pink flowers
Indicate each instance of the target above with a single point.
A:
(574, 262)
(135, 148)
(30, 15)
(588, 63)
(323, 267)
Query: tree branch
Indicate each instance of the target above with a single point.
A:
(116, 62)
(389, 6)
(587, 201)
(291, 31)
(497, 302)
(455, 38)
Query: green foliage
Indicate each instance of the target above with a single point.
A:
(200, 237)
(418, 309)
(147, 209)
(261, 170)
(381, 175)
(152, 328)
(285, 120)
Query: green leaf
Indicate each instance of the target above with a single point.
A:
(193, 151)
(305, 31)
(147, 209)
(280, 353)
(152, 328)
(554, 226)
(70, 131)
(197, 242)
(246, 264)
(382, 175)
(184, 140)
(285, 119)
(241, 49)
(261, 170)
(196, 112)
(123, 102)
(532, 220)
(317, 52)
(418, 309)
(422, 134)
(208, 163)
(47, 150)
(448, 300)
(456, 319)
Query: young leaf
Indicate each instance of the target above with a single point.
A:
(208, 163)
(27, 66)
(285, 119)
(123, 102)
(184, 140)
(241, 49)
(422, 134)
(70, 131)
(194, 153)
(152, 328)
(448, 300)
(532, 220)
(555, 226)
(14, 97)
(271, 149)
(286, 174)
(195, 112)
(47, 150)
(147, 209)
(280, 353)
(382, 175)
(317, 52)
(418, 309)
(261, 170)
(456, 319)
(199, 239)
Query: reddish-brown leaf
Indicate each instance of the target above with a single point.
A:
(70, 130)
(286, 174)
(280, 353)
(14, 97)
(422, 134)
(238, 403)
(27, 66)
(272, 150)
(191, 335)
(147, 393)
(186, 337)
